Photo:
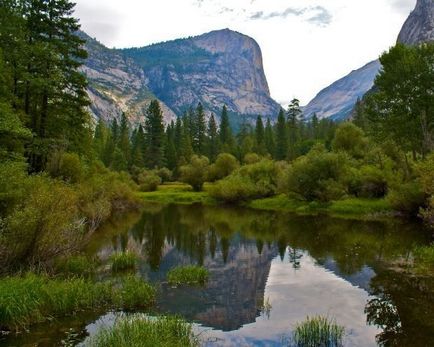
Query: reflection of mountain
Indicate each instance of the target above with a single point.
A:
(233, 293)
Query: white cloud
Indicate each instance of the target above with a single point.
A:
(309, 45)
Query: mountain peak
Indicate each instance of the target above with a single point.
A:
(419, 26)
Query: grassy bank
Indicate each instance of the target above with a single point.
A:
(29, 299)
(177, 193)
(349, 208)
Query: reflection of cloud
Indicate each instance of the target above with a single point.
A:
(317, 15)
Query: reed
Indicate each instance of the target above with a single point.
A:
(190, 274)
(318, 332)
(123, 261)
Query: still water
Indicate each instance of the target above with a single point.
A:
(268, 271)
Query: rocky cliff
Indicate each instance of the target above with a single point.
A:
(116, 84)
(337, 100)
(419, 26)
(217, 68)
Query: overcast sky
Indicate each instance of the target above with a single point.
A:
(306, 44)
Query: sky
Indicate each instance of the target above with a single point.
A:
(306, 44)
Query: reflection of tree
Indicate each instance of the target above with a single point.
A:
(382, 313)
(294, 258)
(403, 308)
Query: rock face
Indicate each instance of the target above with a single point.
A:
(116, 84)
(217, 68)
(419, 26)
(337, 100)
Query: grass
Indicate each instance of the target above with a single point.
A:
(318, 332)
(424, 259)
(143, 331)
(353, 207)
(177, 193)
(191, 275)
(29, 299)
(123, 261)
(79, 266)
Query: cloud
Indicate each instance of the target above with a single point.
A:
(322, 17)
(403, 6)
(317, 15)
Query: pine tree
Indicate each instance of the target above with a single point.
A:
(281, 137)
(260, 137)
(213, 140)
(199, 129)
(124, 139)
(269, 138)
(138, 148)
(226, 137)
(154, 129)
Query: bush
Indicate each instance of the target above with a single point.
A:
(196, 172)
(408, 198)
(318, 175)
(425, 171)
(368, 182)
(224, 165)
(165, 174)
(249, 182)
(350, 139)
(191, 274)
(123, 261)
(318, 331)
(140, 330)
(148, 181)
(66, 166)
(251, 158)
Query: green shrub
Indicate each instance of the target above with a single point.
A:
(35, 298)
(196, 172)
(408, 198)
(123, 261)
(368, 182)
(224, 165)
(318, 175)
(141, 330)
(318, 332)
(191, 274)
(165, 174)
(251, 158)
(253, 181)
(149, 182)
(350, 139)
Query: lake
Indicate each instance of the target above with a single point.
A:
(268, 272)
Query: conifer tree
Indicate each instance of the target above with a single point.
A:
(259, 136)
(281, 137)
(213, 140)
(154, 129)
(226, 137)
(198, 136)
(269, 138)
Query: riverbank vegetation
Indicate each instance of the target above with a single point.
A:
(318, 331)
(31, 298)
(190, 275)
(141, 330)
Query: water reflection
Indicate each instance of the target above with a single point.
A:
(270, 270)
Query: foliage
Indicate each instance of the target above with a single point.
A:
(77, 266)
(191, 275)
(318, 332)
(195, 173)
(350, 139)
(133, 292)
(318, 175)
(140, 330)
(407, 198)
(148, 181)
(424, 259)
(224, 165)
(123, 261)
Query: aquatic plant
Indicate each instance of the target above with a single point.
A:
(32, 298)
(141, 330)
(191, 274)
(318, 331)
(80, 266)
(123, 261)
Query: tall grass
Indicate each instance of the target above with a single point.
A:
(34, 298)
(123, 261)
(79, 266)
(190, 274)
(318, 332)
(142, 331)
(424, 259)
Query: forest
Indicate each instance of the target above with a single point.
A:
(63, 173)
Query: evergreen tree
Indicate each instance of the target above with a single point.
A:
(199, 129)
(213, 140)
(154, 129)
(226, 137)
(138, 148)
(260, 137)
(124, 139)
(269, 138)
(281, 137)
